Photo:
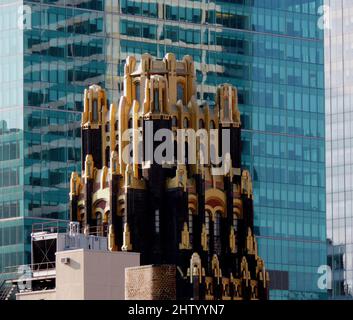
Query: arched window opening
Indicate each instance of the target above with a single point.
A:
(174, 122)
(201, 124)
(180, 92)
(130, 123)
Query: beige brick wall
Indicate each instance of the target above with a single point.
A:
(153, 282)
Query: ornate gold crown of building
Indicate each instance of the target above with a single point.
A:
(180, 215)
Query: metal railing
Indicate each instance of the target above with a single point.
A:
(19, 278)
(19, 270)
(57, 226)
(99, 231)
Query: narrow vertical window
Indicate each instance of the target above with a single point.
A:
(138, 92)
(105, 224)
(180, 92)
(156, 217)
(207, 221)
(156, 100)
(235, 222)
(95, 111)
(217, 233)
(107, 156)
(201, 124)
(99, 224)
(191, 217)
(130, 124)
(226, 108)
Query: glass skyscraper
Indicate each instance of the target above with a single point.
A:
(339, 144)
(50, 53)
(271, 50)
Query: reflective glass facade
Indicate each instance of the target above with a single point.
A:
(57, 52)
(339, 144)
(271, 50)
(11, 135)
